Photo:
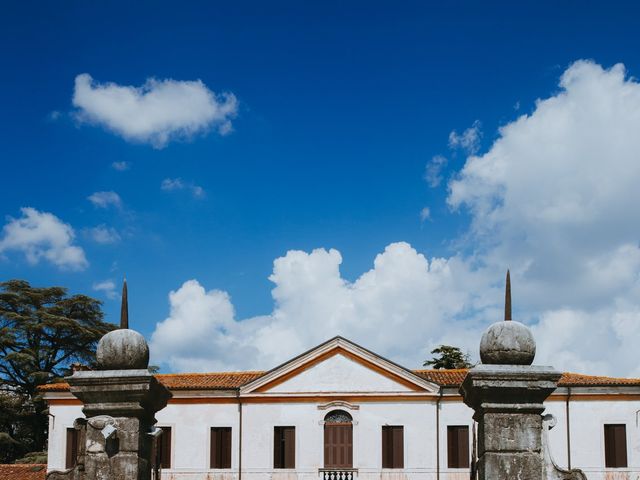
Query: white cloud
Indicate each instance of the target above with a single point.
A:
(105, 199)
(469, 140)
(157, 112)
(173, 184)
(404, 293)
(103, 234)
(121, 166)
(42, 236)
(433, 170)
(554, 198)
(425, 214)
(108, 287)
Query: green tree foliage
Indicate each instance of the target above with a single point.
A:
(448, 357)
(42, 332)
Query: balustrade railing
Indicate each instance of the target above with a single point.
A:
(338, 473)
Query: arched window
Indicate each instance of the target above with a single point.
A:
(338, 416)
(338, 440)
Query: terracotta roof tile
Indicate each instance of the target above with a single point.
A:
(186, 381)
(25, 471)
(207, 381)
(454, 378)
(445, 378)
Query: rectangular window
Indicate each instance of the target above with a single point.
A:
(392, 447)
(458, 446)
(163, 448)
(72, 448)
(284, 447)
(220, 447)
(615, 446)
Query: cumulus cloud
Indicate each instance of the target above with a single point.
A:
(105, 199)
(108, 287)
(173, 184)
(554, 198)
(42, 236)
(468, 141)
(103, 234)
(155, 113)
(425, 214)
(383, 309)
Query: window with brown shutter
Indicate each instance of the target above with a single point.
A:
(284, 447)
(163, 449)
(458, 446)
(338, 445)
(615, 446)
(392, 446)
(72, 448)
(220, 447)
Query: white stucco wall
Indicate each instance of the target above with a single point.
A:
(61, 417)
(191, 425)
(339, 374)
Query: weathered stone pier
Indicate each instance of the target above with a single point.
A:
(506, 393)
(117, 438)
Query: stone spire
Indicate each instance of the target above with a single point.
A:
(507, 342)
(124, 308)
(507, 298)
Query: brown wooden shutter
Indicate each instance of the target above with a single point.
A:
(72, 448)
(338, 445)
(277, 448)
(290, 447)
(392, 446)
(398, 447)
(284, 447)
(220, 454)
(615, 446)
(387, 453)
(164, 448)
(458, 446)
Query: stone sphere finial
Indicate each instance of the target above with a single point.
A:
(507, 343)
(122, 349)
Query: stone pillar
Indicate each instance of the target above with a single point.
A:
(507, 394)
(120, 407)
(508, 405)
(120, 401)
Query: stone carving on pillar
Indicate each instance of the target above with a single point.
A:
(554, 472)
(120, 401)
(507, 394)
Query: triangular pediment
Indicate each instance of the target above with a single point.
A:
(335, 367)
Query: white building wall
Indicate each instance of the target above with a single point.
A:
(587, 437)
(61, 417)
(190, 434)
(339, 374)
(191, 425)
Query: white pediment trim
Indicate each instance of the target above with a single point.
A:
(338, 404)
(291, 368)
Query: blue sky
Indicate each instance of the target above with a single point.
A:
(339, 109)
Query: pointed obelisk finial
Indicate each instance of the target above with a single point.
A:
(507, 298)
(124, 308)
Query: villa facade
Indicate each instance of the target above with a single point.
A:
(342, 412)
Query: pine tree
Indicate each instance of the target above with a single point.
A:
(42, 332)
(448, 358)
